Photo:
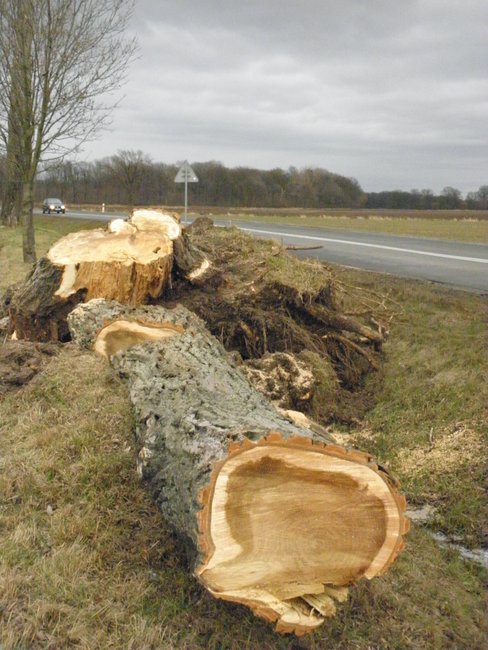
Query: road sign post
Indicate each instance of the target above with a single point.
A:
(186, 175)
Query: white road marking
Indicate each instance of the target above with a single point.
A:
(479, 260)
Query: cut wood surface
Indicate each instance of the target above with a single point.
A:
(275, 516)
(129, 261)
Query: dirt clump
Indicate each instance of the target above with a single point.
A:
(20, 361)
(6, 299)
(268, 301)
(282, 377)
(5, 327)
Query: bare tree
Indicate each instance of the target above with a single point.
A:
(59, 62)
(130, 168)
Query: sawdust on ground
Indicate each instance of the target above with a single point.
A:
(463, 443)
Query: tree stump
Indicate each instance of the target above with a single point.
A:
(276, 517)
(130, 261)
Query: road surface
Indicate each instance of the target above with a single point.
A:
(457, 264)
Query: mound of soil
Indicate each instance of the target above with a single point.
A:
(262, 300)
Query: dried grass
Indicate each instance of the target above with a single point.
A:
(87, 562)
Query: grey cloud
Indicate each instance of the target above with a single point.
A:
(393, 93)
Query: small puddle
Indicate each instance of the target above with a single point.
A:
(423, 515)
(478, 555)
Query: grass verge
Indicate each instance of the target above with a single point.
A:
(430, 421)
(86, 560)
(48, 230)
(466, 230)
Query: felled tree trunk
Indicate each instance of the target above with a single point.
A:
(277, 517)
(131, 262)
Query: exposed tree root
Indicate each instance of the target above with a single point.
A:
(268, 301)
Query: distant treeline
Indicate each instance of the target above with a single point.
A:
(138, 181)
(132, 178)
(449, 199)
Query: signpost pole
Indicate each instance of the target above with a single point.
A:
(186, 199)
(186, 175)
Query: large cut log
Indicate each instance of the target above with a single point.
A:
(130, 261)
(276, 517)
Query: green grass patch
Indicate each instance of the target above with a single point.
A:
(48, 230)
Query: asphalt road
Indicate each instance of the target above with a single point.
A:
(457, 264)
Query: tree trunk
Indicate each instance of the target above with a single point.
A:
(17, 214)
(8, 215)
(131, 262)
(12, 195)
(13, 189)
(275, 516)
(28, 235)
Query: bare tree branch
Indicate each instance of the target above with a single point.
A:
(60, 61)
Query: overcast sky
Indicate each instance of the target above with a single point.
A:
(391, 92)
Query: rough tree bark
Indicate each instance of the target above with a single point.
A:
(276, 517)
(12, 194)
